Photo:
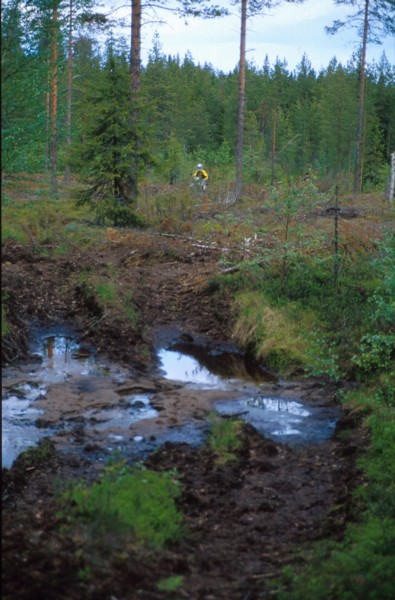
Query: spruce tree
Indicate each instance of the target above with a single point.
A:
(24, 71)
(110, 142)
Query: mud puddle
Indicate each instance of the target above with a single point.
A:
(290, 413)
(209, 367)
(66, 393)
(95, 408)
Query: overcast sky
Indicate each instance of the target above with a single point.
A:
(287, 33)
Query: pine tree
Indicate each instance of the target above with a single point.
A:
(376, 18)
(385, 103)
(248, 8)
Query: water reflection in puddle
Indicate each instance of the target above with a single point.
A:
(61, 358)
(135, 408)
(180, 367)
(82, 394)
(282, 419)
(200, 366)
(60, 367)
(18, 417)
(53, 363)
(278, 405)
(276, 417)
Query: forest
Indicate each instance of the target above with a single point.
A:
(66, 100)
(285, 263)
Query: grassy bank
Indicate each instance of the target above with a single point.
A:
(362, 564)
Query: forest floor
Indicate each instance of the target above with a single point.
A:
(245, 520)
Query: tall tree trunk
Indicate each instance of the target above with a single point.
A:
(53, 148)
(240, 114)
(135, 76)
(135, 49)
(67, 172)
(48, 119)
(357, 169)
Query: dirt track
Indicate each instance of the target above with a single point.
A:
(245, 521)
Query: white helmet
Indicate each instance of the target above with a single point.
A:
(200, 166)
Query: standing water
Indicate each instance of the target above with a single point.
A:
(63, 389)
(56, 358)
(66, 393)
(287, 419)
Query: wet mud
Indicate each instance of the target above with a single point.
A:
(245, 520)
(87, 405)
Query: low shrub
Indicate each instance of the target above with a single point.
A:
(127, 500)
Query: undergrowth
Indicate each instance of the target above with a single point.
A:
(35, 455)
(47, 225)
(225, 438)
(362, 565)
(107, 292)
(277, 334)
(126, 501)
(300, 318)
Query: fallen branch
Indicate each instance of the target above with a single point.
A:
(195, 243)
(233, 269)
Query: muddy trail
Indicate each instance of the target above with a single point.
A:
(245, 520)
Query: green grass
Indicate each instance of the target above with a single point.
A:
(135, 501)
(107, 292)
(225, 438)
(35, 455)
(362, 565)
(170, 584)
(47, 223)
(278, 334)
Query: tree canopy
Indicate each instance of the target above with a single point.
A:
(294, 121)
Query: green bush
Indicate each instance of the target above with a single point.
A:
(379, 465)
(136, 501)
(361, 568)
(323, 359)
(384, 390)
(376, 352)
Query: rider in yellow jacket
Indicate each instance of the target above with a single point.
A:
(201, 174)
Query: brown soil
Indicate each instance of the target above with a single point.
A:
(245, 520)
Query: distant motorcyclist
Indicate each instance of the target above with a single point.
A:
(201, 175)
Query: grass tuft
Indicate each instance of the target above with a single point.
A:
(126, 500)
(225, 438)
(278, 334)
